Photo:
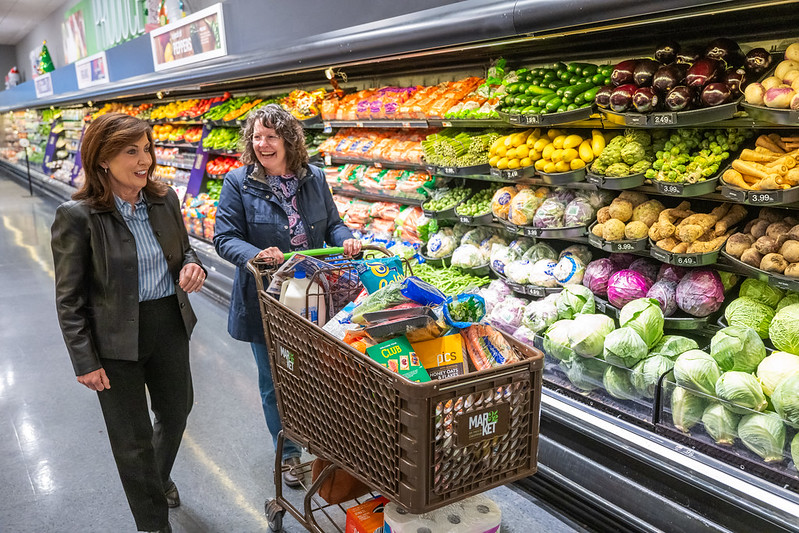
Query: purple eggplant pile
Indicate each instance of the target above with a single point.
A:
(680, 79)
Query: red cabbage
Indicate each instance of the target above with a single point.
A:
(596, 276)
(621, 261)
(625, 286)
(700, 292)
(671, 272)
(664, 292)
(647, 267)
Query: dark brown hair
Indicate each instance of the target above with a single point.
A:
(286, 126)
(105, 137)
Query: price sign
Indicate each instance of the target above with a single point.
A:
(760, 198)
(465, 220)
(511, 227)
(377, 164)
(448, 170)
(635, 120)
(515, 119)
(622, 247)
(530, 119)
(515, 287)
(359, 124)
(511, 174)
(327, 128)
(781, 284)
(664, 119)
(600, 305)
(406, 124)
(446, 123)
(497, 173)
(538, 292)
(532, 232)
(686, 260)
(733, 194)
(670, 188)
(328, 160)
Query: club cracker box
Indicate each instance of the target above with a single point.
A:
(398, 356)
(442, 357)
(366, 517)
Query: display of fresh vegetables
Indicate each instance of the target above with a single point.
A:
(449, 280)
(778, 91)
(550, 151)
(454, 147)
(478, 204)
(771, 165)
(769, 243)
(222, 139)
(444, 199)
(627, 154)
(629, 216)
(188, 109)
(222, 165)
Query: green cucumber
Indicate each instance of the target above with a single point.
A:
(553, 104)
(589, 95)
(561, 109)
(598, 79)
(572, 107)
(546, 98)
(538, 90)
(565, 75)
(606, 70)
(554, 85)
(574, 90)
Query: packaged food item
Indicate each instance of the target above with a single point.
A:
(366, 517)
(417, 324)
(398, 356)
(379, 272)
(337, 326)
(487, 347)
(442, 357)
(463, 310)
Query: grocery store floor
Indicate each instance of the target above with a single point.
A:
(56, 469)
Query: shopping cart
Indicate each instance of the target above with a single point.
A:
(421, 445)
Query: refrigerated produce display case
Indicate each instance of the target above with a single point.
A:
(623, 447)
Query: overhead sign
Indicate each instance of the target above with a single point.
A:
(44, 85)
(195, 38)
(92, 71)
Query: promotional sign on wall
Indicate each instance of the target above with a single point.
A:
(192, 39)
(73, 32)
(92, 71)
(44, 85)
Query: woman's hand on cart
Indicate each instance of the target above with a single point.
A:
(352, 247)
(271, 255)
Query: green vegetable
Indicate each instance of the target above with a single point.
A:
(451, 280)
(584, 373)
(784, 329)
(556, 340)
(737, 348)
(646, 374)
(384, 298)
(748, 312)
(686, 408)
(624, 347)
(616, 381)
(742, 390)
(674, 345)
(775, 369)
(790, 299)
(698, 371)
(721, 424)
(588, 334)
(574, 300)
(645, 317)
(466, 309)
(786, 400)
(795, 451)
(762, 292)
(764, 434)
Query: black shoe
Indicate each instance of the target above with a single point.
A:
(291, 475)
(172, 495)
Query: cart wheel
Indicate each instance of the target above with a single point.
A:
(274, 515)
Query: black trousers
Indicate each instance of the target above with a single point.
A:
(145, 452)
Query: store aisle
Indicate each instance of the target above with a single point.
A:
(56, 469)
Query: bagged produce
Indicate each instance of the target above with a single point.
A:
(501, 256)
(469, 256)
(519, 271)
(523, 207)
(521, 244)
(539, 315)
(542, 274)
(665, 292)
(596, 276)
(578, 212)
(462, 310)
(700, 292)
(507, 314)
(540, 251)
(476, 236)
(582, 252)
(569, 270)
(625, 286)
(524, 335)
(487, 347)
(550, 214)
(442, 244)
(489, 243)
(562, 195)
(500, 203)
(383, 298)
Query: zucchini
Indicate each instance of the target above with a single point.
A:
(590, 94)
(561, 109)
(549, 76)
(546, 98)
(554, 85)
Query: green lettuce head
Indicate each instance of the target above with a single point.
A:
(742, 390)
(575, 300)
(674, 345)
(795, 451)
(764, 434)
(617, 382)
(721, 424)
(761, 291)
(737, 348)
(786, 400)
(588, 333)
(584, 373)
(686, 408)
(624, 347)
(790, 299)
(698, 371)
(646, 374)
(776, 368)
(784, 329)
(645, 317)
(748, 312)
(556, 340)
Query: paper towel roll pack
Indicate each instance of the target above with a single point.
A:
(478, 514)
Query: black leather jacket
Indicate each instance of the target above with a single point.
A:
(96, 277)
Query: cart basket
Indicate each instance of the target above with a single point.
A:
(422, 445)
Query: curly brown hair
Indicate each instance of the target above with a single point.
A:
(287, 128)
(105, 137)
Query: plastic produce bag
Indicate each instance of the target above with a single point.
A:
(578, 212)
(501, 256)
(500, 203)
(469, 256)
(540, 251)
(523, 207)
(542, 274)
(569, 270)
(550, 214)
(539, 315)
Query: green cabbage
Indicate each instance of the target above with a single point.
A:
(786, 400)
(748, 312)
(742, 390)
(645, 317)
(646, 374)
(584, 373)
(721, 424)
(761, 291)
(617, 382)
(575, 300)
(588, 334)
(764, 434)
(775, 368)
(737, 348)
(686, 408)
(784, 329)
(556, 340)
(624, 347)
(790, 299)
(795, 451)
(698, 371)
(674, 345)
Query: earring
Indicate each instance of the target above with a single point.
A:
(105, 169)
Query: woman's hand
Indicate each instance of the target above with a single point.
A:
(352, 247)
(96, 380)
(272, 255)
(191, 278)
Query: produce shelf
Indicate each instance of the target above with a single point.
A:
(686, 260)
(550, 119)
(379, 197)
(687, 190)
(415, 123)
(400, 165)
(766, 197)
(616, 184)
(182, 146)
(670, 120)
(783, 117)
(181, 166)
(620, 246)
(773, 279)
(460, 123)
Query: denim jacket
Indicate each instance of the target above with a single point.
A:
(249, 218)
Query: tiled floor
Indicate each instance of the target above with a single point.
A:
(56, 469)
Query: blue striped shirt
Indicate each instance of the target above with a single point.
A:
(154, 279)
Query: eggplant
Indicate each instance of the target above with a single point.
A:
(679, 98)
(602, 97)
(757, 61)
(716, 93)
(621, 99)
(702, 72)
(682, 69)
(623, 72)
(666, 78)
(645, 99)
(644, 72)
(689, 56)
(667, 52)
(726, 50)
(735, 80)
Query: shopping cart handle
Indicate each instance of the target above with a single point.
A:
(319, 251)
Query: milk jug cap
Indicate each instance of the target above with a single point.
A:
(299, 274)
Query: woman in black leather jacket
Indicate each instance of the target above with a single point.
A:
(123, 266)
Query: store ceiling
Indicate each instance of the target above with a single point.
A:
(19, 17)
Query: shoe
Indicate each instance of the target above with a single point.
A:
(172, 495)
(291, 477)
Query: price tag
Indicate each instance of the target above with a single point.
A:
(760, 198)
(359, 124)
(377, 164)
(600, 305)
(515, 287)
(594, 241)
(511, 174)
(448, 170)
(733, 194)
(406, 125)
(530, 119)
(464, 219)
(664, 119)
(538, 292)
(446, 124)
(635, 120)
(327, 128)
(783, 284)
(686, 260)
(511, 227)
(515, 119)
(532, 232)
(622, 247)
(328, 160)
(670, 188)
(497, 173)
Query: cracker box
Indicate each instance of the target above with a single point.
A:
(398, 356)
(442, 357)
(366, 517)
